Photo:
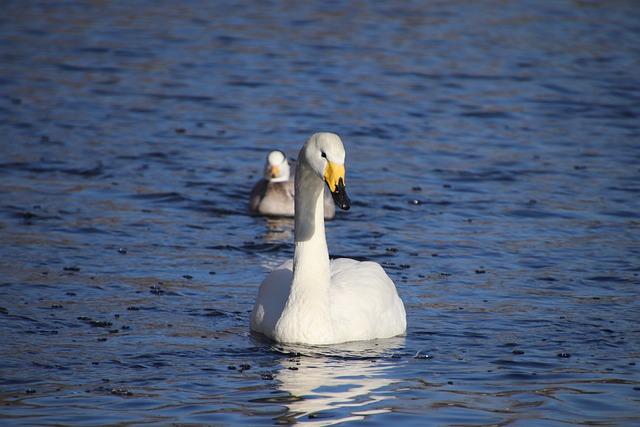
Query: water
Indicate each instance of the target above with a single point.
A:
(493, 153)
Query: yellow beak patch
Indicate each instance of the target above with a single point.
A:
(332, 175)
(275, 171)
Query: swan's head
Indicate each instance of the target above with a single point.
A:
(325, 154)
(276, 169)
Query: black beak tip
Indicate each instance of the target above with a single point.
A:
(345, 204)
(340, 197)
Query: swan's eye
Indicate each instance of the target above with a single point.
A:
(324, 154)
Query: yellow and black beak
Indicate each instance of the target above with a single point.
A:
(334, 177)
(274, 171)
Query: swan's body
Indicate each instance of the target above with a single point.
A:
(311, 300)
(273, 195)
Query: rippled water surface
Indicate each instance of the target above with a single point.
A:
(493, 161)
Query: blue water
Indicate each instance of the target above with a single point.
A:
(493, 162)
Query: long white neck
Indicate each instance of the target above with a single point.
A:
(308, 301)
(309, 220)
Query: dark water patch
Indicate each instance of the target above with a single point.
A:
(198, 227)
(206, 138)
(439, 77)
(372, 132)
(488, 114)
(504, 77)
(484, 176)
(42, 332)
(253, 248)
(142, 110)
(613, 279)
(87, 69)
(526, 363)
(161, 197)
(307, 114)
(159, 96)
(218, 208)
(516, 376)
(622, 214)
(538, 214)
(128, 53)
(547, 279)
(625, 189)
(616, 113)
(245, 83)
(43, 168)
(211, 312)
(393, 208)
(566, 90)
(97, 170)
(228, 39)
(373, 95)
(49, 366)
(23, 320)
(86, 230)
(23, 125)
(151, 155)
(326, 47)
(197, 184)
(32, 217)
(572, 106)
(92, 49)
(146, 361)
(6, 81)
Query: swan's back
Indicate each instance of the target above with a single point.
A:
(364, 301)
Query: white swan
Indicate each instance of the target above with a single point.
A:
(311, 300)
(273, 195)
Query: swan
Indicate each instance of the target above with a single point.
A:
(273, 195)
(310, 299)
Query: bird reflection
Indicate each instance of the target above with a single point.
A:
(326, 386)
(279, 230)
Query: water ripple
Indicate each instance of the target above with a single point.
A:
(492, 160)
